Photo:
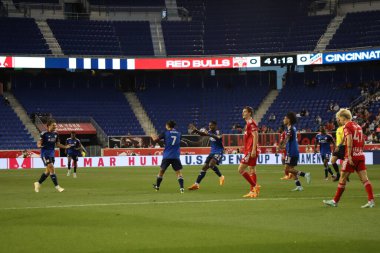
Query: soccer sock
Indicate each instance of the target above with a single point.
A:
(368, 188)
(254, 178)
(300, 173)
(248, 178)
(339, 192)
(217, 171)
(180, 181)
(298, 183)
(326, 173)
(69, 166)
(201, 175)
(336, 168)
(158, 181)
(330, 171)
(75, 168)
(54, 179)
(42, 178)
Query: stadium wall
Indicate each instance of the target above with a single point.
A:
(138, 161)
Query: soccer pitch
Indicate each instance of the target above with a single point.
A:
(117, 210)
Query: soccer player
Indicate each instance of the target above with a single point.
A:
(354, 160)
(283, 153)
(73, 153)
(49, 140)
(339, 149)
(324, 140)
(250, 153)
(172, 139)
(215, 156)
(292, 152)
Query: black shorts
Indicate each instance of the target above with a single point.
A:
(340, 153)
(291, 160)
(48, 160)
(175, 163)
(73, 157)
(326, 156)
(216, 157)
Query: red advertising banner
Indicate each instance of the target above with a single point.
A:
(185, 63)
(21, 154)
(79, 128)
(6, 62)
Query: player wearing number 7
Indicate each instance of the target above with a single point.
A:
(172, 140)
(354, 160)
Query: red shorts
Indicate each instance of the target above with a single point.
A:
(248, 160)
(358, 166)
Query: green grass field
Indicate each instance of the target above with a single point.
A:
(116, 210)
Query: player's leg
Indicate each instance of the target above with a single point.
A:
(290, 163)
(164, 165)
(201, 175)
(242, 170)
(75, 161)
(326, 163)
(45, 174)
(68, 165)
(177, 166)
(213, 165)
(362, 173)
(341, 187)
(53, 176)
(334, 159)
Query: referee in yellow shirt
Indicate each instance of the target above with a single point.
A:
(339, 149)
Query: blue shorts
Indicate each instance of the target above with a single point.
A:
(48, 160)
(326, 156)
(291, 160)
(73, 156)
(217, 157)
(175, 163)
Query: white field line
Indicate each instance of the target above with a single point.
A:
(171, 202)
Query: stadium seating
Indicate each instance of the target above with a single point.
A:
(360, 29)
(299, 93)
(223, 27)
(149, 3)
(13, 134)
(27, 40)
(184, 99)
(102, 37)
(94, 97)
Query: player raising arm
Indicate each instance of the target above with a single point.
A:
(49, 140)
(172, 139)
(215, 156)
(354, 160)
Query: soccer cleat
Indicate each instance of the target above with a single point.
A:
(221, 180)
(285, 178)
(156, 187)
(298, 189)
(257, 189)
(308, 177)
(336, 179)
(59, 188)
(330, 203)
(326, 178)
(68, 173)
(182, 191)
(194, 187)
(37, 186)
(370, 204)
(74, 175)
(251, 194)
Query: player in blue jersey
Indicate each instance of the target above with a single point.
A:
(49, 140)
(292, 152)
(172, 140)
(73, 153)
(215, 156)
(324, 140)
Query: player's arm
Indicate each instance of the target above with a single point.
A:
(283, 143)
(333, 142)
(316, 144)
(157, 138)
(349, 147)
(39, 143)
(60, 145)
(255, 134)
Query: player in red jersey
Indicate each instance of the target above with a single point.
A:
(250, 152)
(354, 160)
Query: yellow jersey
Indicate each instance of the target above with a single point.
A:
(339, 135)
